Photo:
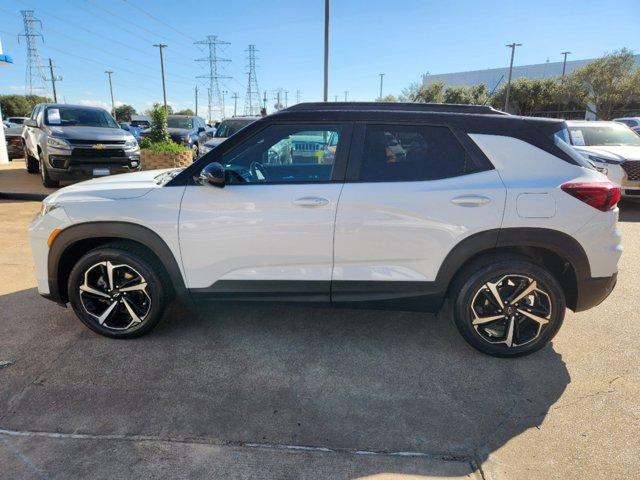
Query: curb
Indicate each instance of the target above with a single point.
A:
(23, 196)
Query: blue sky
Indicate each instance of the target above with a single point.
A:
(402, 38)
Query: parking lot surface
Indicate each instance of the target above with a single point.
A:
(263, 391)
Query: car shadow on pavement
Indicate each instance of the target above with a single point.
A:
(274, 375)
(630, 211)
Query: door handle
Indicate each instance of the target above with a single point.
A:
(470, 200)
(311, 201)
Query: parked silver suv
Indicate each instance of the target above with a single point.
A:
(66, 142)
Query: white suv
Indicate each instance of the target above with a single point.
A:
(396, 206)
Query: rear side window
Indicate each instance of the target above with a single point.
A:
(394, 153)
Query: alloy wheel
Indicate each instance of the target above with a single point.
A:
(115, 295)
(512, 310)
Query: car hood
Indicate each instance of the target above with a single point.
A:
(89, 133)
(113, 187)
(620, 152)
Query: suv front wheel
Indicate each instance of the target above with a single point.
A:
(508, 306)
(47, 181)
(117, 291)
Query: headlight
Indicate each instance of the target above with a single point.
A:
(47, 207)
(186, 139)
(595, 158)
(58, 143)
(130, 144)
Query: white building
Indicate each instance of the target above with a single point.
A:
(494, 77)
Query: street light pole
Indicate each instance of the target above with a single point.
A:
(345, 95)
(381, 77)
(326, 51)
(512, 46)
(113, 105)
(196, 100)
(235, 103)
(564, 63)
(161, 46)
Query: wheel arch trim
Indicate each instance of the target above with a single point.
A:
(75, 234)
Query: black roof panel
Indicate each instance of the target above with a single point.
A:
(394, 106)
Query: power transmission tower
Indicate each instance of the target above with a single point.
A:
(35, 76)
(297, 96)
(252, 97)
(235, 103)
(214, 94)
(286, 98)
(53, 79)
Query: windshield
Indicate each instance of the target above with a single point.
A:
(180, 122)
(79, 117)
(561, 139)
(140, 123)
(226, 129)
(603, 135)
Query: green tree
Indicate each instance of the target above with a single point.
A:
(124, 113)
(387, 98)
(159, 105)
(612, 82)
(186, 111)
(159, 132)
(529, 95)
(20, 105)
(474, 95)
(416, 92)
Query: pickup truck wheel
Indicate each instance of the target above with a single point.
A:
(508, 307)
(47, 181)
(117, 291)
(30, 162)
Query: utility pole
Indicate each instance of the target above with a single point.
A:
(235, 103)
(381, 77)
(297, 96)
(196, 100)
(564, 63)
(214, 95)
(264, 101)
(113, 105)
(161, 46)
(286, 98)
(326, 51)
(512, 46)
(35, 71)
(345, 95)
(224, 114)
(252, 97)
(54, 78)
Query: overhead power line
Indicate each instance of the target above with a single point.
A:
(168, 25)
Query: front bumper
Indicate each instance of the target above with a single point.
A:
(593, 291)
(77, 166)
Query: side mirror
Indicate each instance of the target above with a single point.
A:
(213, 174)
(31, 123)
(201, 129)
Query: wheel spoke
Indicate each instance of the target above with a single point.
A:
(530, 288)
(87, 289)
(107, 312)
(482, 320)
(110, 268)
(134, 317)
(493, 288)
(509, 340)
(540, 320)
(139, 286)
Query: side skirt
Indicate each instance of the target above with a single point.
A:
(398, 295)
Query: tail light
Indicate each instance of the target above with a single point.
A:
(601, 195)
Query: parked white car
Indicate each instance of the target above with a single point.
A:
(632, 122)
(391, 206)
(613, 148)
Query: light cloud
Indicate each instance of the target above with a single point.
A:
(99, 103)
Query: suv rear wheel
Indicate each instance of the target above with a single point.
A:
(117, 291)
(508, 307)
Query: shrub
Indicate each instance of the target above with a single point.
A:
(159, 132)
(166, 146)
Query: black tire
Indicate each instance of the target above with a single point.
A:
(88, 306)
(47, 181)
(30, 162)
(515, 334)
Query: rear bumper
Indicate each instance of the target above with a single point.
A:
(593, 291)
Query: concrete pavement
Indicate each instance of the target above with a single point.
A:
(227, 391)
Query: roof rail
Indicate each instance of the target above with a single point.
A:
(397, 106)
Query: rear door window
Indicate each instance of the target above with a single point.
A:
(405, 153)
